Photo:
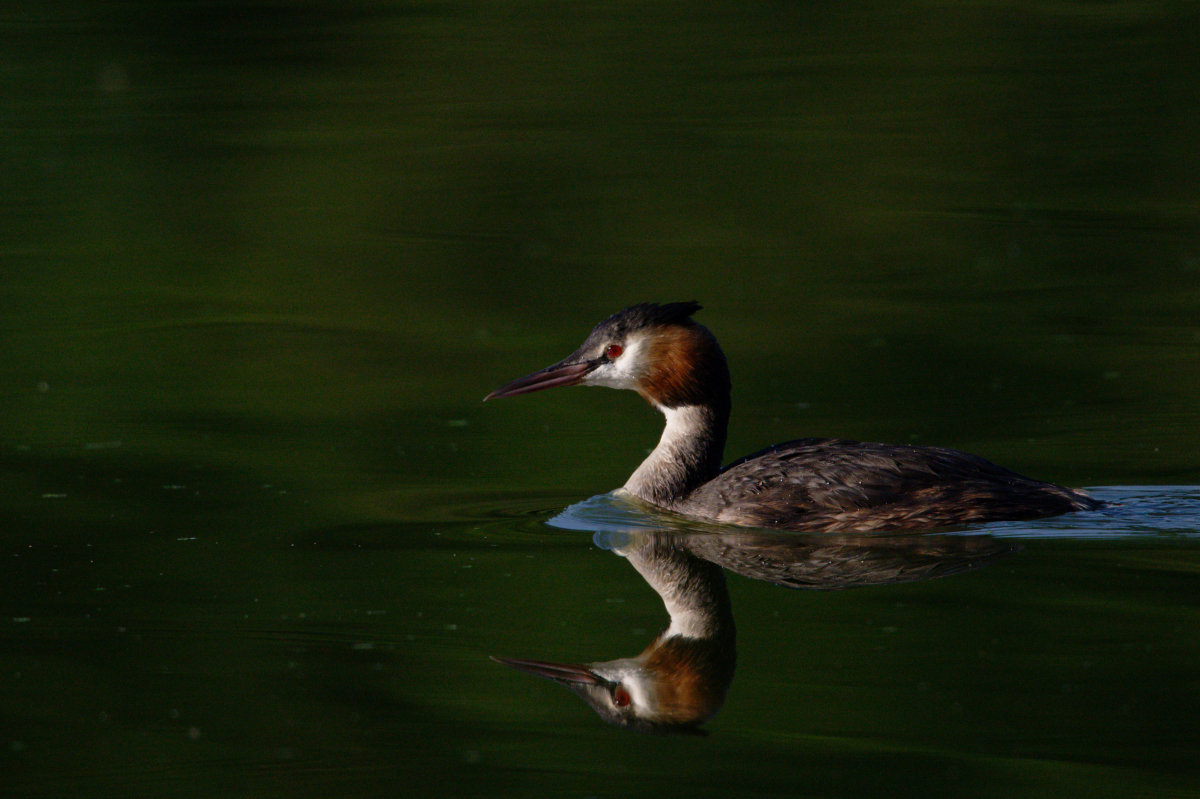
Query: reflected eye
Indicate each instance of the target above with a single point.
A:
(620, 696)
(613, 351)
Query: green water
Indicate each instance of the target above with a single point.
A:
(259, 263)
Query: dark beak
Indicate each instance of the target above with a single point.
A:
(563, 373)
(569, 674)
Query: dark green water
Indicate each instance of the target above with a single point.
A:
(259, 263)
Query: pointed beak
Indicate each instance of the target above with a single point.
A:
(571, 675)
(563, 373)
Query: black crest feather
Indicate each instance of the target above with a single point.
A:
(650, 314)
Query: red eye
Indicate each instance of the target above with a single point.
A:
(613, 351)
(620, 696)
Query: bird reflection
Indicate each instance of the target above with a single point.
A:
(680, 680)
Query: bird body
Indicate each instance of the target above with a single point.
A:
(811, 484)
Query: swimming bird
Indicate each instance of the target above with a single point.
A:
(810, 484)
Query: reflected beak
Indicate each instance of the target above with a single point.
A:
(570, 674)
(560, 374)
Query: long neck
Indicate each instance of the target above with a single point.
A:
(693, 590)
(687, 456)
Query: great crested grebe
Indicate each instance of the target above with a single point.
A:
(809, 484)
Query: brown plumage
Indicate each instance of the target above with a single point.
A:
(814, 484)
(824, 484)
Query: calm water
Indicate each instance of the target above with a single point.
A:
(261, 262)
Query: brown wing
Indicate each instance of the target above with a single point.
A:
(831, 484)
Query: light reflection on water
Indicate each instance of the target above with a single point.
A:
(1130, 512)
(367, 646)
(680, 680)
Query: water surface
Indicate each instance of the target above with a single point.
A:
(261, 262)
